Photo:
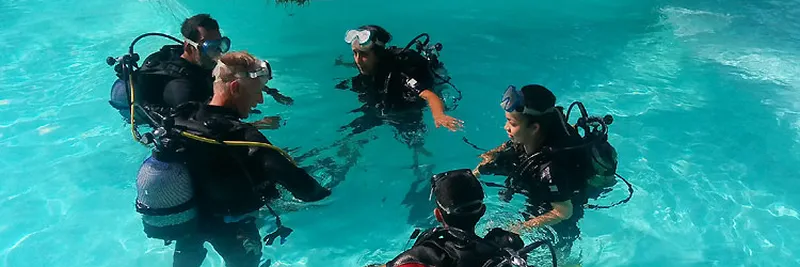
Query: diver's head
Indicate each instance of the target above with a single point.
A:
(368, 43)
(532, 118)
(459, 199)
(203, 42)
(238, 80)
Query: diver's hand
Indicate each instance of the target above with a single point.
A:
(520, 227)
(515, 227)
(449, 122)
(486, 158)
(476, 172)
(269, 122)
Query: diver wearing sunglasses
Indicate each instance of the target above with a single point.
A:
(540, 164)
(394, 86)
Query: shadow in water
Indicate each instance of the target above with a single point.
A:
(417, 199)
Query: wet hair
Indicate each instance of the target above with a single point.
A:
(190, 25)
(552, 124)
(461, 187)
(378, 33)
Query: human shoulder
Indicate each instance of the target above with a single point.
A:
(247, 131)
(409, 61)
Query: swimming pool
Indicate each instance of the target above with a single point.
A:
(704, 96)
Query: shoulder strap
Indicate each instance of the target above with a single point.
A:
(165, 62)
(429, 235)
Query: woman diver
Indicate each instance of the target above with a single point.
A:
(541, 162)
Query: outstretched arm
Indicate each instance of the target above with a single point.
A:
(557, 191)
(293, 178)
(561, 211)
(437, 110)
(283, 171)
(488, 157)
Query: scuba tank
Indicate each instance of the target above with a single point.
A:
(165, 197)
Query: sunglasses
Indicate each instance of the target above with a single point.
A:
(212, 47)
(466, 208)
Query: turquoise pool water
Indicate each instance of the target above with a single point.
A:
(704, 94)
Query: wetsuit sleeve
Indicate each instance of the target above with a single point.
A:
(555, 182)
(177, 91)
(284, 172)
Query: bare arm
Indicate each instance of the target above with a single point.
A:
(561, 211)
(437, 110)
(436, 104)
(487, 157)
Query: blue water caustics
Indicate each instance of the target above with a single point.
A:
(704, 93)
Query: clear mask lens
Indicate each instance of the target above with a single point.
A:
(362, 36)
(264, 71)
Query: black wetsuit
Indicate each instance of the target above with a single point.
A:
(167, 80)
(196, 87)
(553, 177)
(389, 98)
(233, 181)
(442, 247)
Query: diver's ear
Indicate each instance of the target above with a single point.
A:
(535, 127)
(234, 87)
(188, 48)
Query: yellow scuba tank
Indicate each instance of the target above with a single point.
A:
(165, 197)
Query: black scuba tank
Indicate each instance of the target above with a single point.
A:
(148, 81)
(604, 165)
(165, 198)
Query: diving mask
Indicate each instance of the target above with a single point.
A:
(466, 208)
(212, 47)
(264, 70)
(513, 100)
(360, 38)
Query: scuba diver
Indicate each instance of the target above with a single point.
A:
(179, 73)
(210, 173)
(394, 85)
(459, 199)
(548, 161)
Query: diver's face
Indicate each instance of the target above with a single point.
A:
(518, 129)
(365, 60)
(206, 60)
(246, 94)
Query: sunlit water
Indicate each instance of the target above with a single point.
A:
(704, 94)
